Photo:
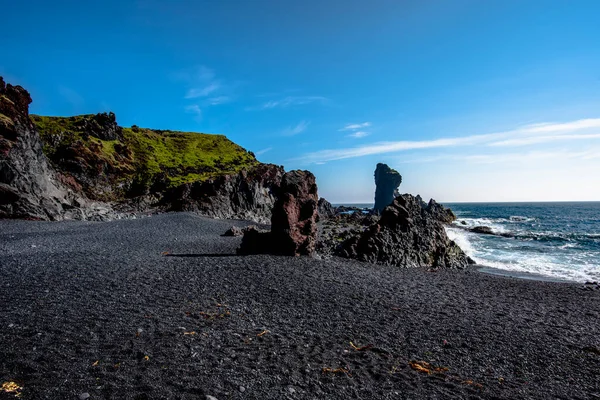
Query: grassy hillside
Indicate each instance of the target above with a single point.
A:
(138, 157)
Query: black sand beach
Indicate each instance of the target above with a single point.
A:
(97, 310)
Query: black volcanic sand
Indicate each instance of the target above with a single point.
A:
(95, 309)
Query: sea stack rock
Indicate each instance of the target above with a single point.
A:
(410, 233)
(293, 221)
(387, 181)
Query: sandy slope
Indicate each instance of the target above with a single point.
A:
(95, 308)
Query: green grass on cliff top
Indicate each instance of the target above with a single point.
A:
(182, 157)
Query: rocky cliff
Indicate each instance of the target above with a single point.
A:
(387, 181)
(29, 185)
(88, 166)
(249, 194)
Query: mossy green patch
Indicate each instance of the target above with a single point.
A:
(159, 151)
(143, 156)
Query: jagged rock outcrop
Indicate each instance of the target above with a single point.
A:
(29, 187)
(410, 233)
(248, 195)
(102, 126)
(387, 181)
(326, 210)
(293, 222)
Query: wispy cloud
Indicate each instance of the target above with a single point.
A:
(543, 139)
(358, 130)
(509, 158)
(296, 129)
(292, 101)
(199, 80)
(202, 86)
(529, 132)
(213, 101)
(203, 91)
(359, 134)
(195, 110)
(263, 151)
(353, 127)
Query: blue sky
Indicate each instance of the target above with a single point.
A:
(469, 100)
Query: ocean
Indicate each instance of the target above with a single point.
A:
(551, 240)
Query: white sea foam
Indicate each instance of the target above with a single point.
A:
(504, 256)
(494, 224)
(546, 266)
(460, 237)
(518, 218)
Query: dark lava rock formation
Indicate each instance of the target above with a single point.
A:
(102, 126)
(248, 195)
(293, 222)
(326, 210)
(410, 233)
(486, 230)
(387, 182)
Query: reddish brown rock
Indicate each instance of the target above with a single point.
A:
(295, 214)
(293, 221)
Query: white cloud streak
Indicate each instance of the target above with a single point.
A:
(204, 91)
(293, 101)
(263, 151)
(194, 109)
(510, 158)
(214, 101)
(295, 130)
(542, 139)
(533, 133)
(201, 83)
(353, 127)
(359, 134)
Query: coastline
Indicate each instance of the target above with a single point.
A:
(269, 327)
(520, 275)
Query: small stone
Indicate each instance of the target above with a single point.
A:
(211, 398)
(242, 389)
(84, 396)
(291, 390)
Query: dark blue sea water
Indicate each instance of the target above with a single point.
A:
(556, 240)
